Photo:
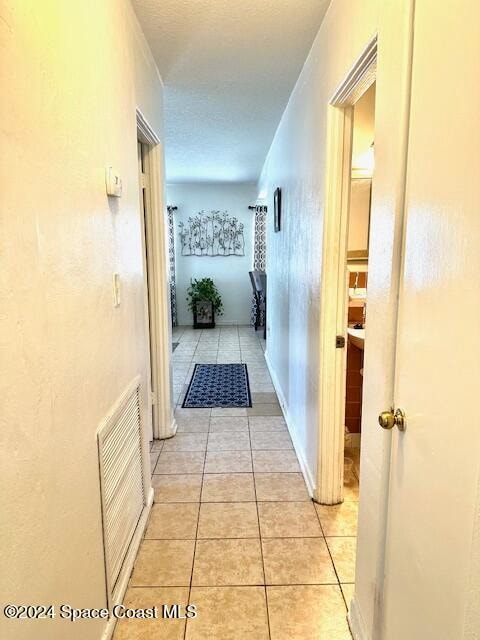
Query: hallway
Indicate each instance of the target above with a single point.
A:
(197, 163)
(233, 530)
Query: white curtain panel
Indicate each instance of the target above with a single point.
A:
(171, 264)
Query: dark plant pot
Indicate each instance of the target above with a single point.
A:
(204, 315)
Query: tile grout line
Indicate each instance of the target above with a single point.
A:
(259, 533)
(198, 516)
(303, 537)
(331, 558)
(196, 537)
(241, 586)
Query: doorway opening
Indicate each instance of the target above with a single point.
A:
(344, 277)
(392, 123)
(350, 158)
(356, 277)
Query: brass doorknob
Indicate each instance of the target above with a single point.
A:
(386, 419)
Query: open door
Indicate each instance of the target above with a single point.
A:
(432, 560)
(156, 274)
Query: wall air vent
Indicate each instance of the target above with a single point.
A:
(121, 479)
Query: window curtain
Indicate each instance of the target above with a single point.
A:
(171, 263)
(259, 252)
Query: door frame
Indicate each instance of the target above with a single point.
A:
(154, 249)
(333, 297)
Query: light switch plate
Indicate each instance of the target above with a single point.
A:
(113, 183)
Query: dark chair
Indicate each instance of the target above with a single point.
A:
(259, 286)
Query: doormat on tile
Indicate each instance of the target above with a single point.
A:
(218, 385)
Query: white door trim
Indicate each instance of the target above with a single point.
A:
(333, 301)
(164, 425)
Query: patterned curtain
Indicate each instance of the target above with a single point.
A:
(171, 262)
(259, 252)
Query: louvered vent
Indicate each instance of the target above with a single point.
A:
(121, 479)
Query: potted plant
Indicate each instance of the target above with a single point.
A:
(204, 301)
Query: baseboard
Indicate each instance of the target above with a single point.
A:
(127, 568)
(357, 625)
(309, 481)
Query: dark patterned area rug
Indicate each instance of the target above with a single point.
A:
(218, 385)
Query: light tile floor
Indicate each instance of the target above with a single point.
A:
(233, 529)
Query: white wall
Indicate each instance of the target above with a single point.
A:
(230, 273)
(72, 74)
(297, 163)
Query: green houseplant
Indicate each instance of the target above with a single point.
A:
(204, 301)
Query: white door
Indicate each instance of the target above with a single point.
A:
(432, 556)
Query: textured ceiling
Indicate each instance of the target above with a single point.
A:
(229, 67)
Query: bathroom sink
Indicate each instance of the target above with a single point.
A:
(356, 337)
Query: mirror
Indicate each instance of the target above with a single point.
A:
(359, 218)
